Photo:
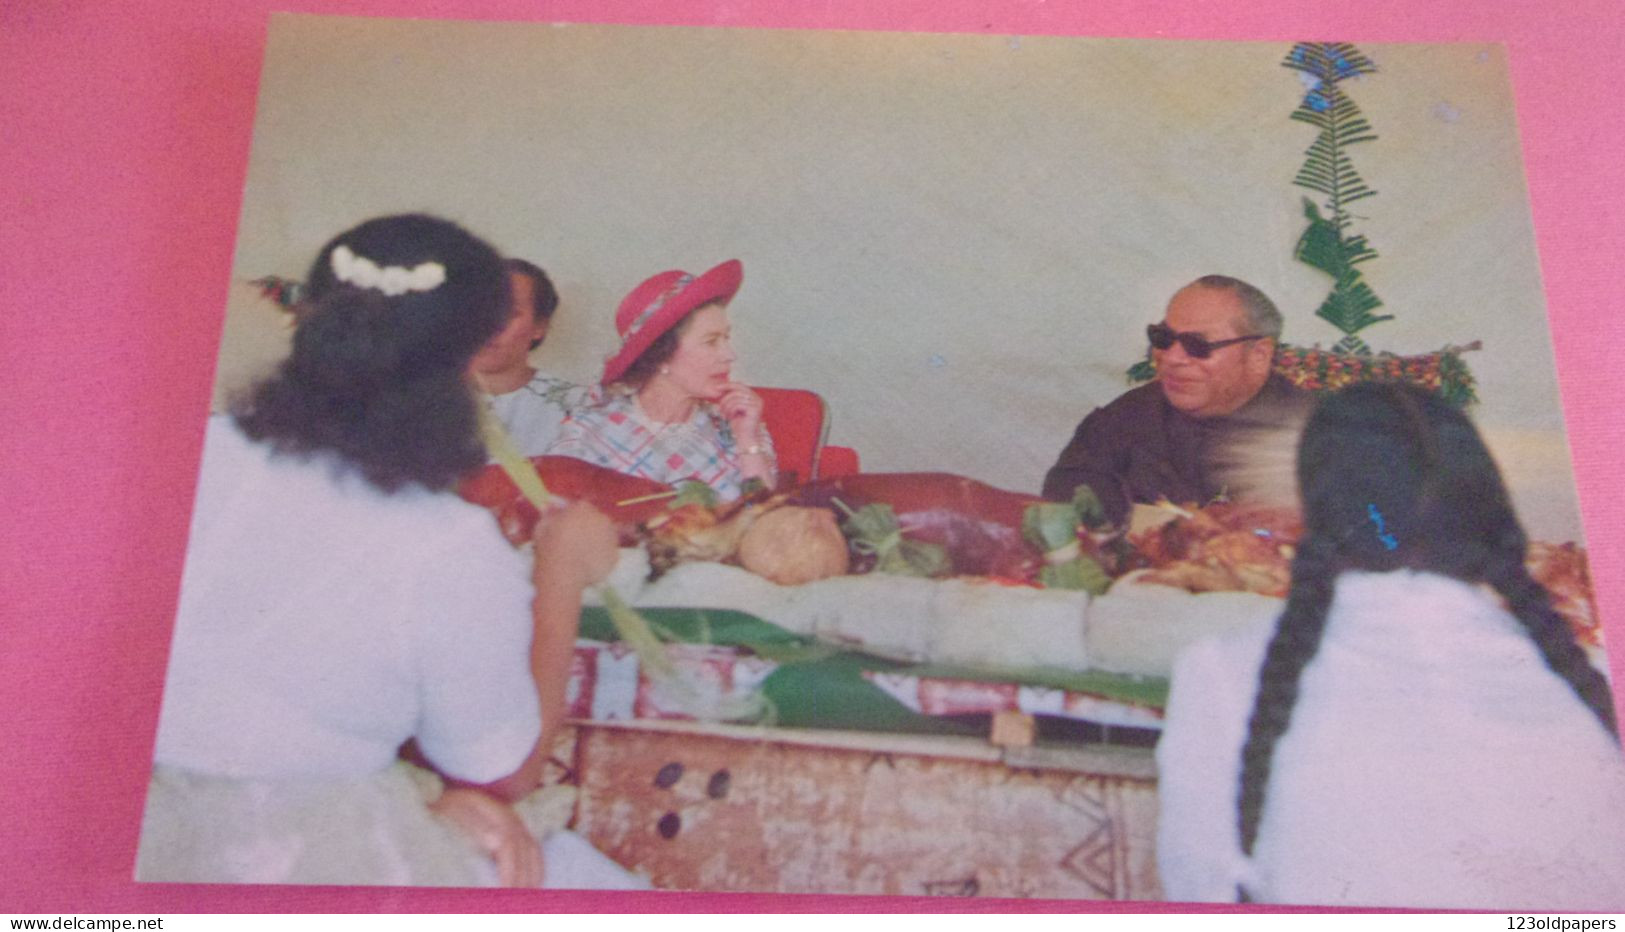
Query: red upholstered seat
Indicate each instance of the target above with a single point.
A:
(835, 462)
(798, 419)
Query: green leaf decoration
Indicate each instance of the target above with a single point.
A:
(1320, 246)
(694, 493)
(1331, 246)
(1456, 384)
(1091, 513)
(821, 687)
(1053, 528)
(1081, 573)
(1327, 244)
(873, 530)
(1352, 345)
(1050, 525)
(1336, 59)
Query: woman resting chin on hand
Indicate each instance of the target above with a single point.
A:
(672, 411)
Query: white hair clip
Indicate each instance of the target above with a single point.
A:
(392, 280)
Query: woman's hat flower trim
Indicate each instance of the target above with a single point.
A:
(392, 280)
(655, 305)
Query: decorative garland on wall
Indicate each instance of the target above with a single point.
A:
(1330, 245)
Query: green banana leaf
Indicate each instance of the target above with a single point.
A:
(820, 686)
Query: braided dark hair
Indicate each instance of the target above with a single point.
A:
(1531, 604)
(1297, 638)
(1391, 477)
(379, 378)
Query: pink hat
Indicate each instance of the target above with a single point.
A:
(660, 303)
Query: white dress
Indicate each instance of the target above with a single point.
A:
(1432, 761)
(322, 623)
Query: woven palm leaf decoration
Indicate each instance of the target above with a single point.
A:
(1328, 244)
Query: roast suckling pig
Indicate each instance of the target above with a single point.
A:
(628, 500)
(1222, 548)
(1231, 548)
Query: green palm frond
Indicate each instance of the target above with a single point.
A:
(1329, 61)
(1328, 171)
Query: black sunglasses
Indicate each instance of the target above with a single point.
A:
(1196, 346)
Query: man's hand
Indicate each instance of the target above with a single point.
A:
(495, 829)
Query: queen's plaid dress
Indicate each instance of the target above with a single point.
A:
(616, 433)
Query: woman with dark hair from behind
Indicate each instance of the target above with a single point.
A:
(339, 600)
(1419, 728)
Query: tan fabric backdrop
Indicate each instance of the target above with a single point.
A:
(956, 239)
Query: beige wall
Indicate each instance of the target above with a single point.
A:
(957, 240)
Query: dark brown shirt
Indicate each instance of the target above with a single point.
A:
(1140, 448)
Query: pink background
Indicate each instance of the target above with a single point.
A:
(124, 135)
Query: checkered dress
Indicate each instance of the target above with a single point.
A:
(617, 434)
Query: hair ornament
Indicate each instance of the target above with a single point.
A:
(392, 280)
(1389, 541)
(659, 302)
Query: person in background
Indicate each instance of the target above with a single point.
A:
(1214, 395)
(339, 599)
(530, 404)
(1419, 728)
(672, 411)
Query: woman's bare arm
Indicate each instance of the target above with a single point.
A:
(575, 548)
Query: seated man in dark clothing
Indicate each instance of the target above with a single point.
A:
(1184, 437)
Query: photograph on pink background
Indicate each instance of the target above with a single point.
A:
(1019, 466)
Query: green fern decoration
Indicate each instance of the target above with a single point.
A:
(1327, 244)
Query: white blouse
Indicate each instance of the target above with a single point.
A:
(1433, 760)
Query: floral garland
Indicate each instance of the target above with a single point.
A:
(1320, 370)
(1327, 370)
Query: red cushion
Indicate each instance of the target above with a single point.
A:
(834, 462)
(795, 419)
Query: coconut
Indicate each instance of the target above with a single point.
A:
(791, 545)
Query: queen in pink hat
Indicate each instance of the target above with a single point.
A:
(672, 411)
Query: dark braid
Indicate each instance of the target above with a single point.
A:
(1391, 478)
(1531, 604)
(1294, 644)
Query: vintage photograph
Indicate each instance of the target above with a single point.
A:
(747, 460)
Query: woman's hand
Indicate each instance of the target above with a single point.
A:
(495, 829)
(575, 546)
(743, 409)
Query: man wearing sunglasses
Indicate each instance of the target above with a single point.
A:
(1183, 436)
